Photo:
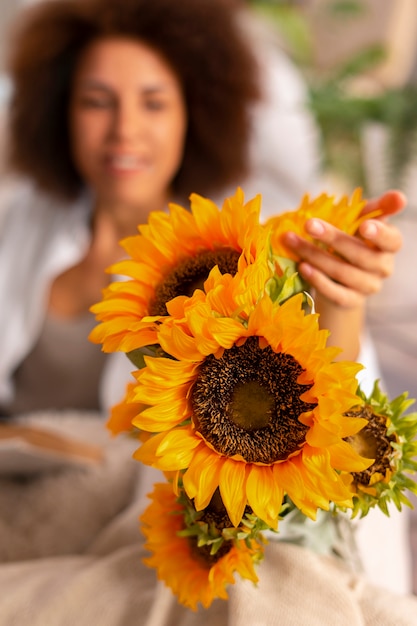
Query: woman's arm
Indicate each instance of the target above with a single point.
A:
(354, 269)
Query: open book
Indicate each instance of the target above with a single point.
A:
(25, 449)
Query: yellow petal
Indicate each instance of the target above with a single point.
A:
(264, 494)
(202, 477)
(344, 457)
(232, 489)
(162, 417)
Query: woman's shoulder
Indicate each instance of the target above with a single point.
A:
(18, 201)
(18, 195)
(23, 206)
(38, 232)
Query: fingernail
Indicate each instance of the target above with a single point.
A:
(369, 229)
(305, 269)
(315, 227)
(290, 238)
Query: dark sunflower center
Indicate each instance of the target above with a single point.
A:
(248, 403)
(214, 514)
(372, 442)
(202, 553)
(191, 274)
(252, 405)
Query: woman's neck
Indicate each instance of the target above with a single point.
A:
(124, 218)
(76, 289)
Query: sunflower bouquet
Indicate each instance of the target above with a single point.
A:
(236, 396)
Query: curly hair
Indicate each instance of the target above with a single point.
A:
(200, 40)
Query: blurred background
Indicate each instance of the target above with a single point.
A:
(359, 61)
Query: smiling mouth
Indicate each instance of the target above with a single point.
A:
(126, 163)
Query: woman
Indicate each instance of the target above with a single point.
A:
(77, 135)
(118, 108)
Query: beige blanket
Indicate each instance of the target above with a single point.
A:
(72, 555)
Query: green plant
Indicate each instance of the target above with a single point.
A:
(342, 118)
(340, 114)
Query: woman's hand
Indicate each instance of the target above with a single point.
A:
(355, 266)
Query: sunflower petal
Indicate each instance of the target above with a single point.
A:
(232, 489)
(264, 494)
(202, 477)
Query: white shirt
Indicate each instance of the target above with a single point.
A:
(39, 239)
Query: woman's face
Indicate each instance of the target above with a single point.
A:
(128, 123)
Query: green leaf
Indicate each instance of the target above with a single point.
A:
(346, 8)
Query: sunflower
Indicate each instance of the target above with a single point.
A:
(194, 574)
(262, 276)
(251, 404)
(346, 214)
(389, 436)
(172, 255)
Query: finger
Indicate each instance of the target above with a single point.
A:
(344, 273)
(354, 250)
(341, 295)
(384, 236)
(390, 203)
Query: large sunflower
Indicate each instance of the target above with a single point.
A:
(172, 255)
(252, 405)
(193, 573)
(345, 213)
